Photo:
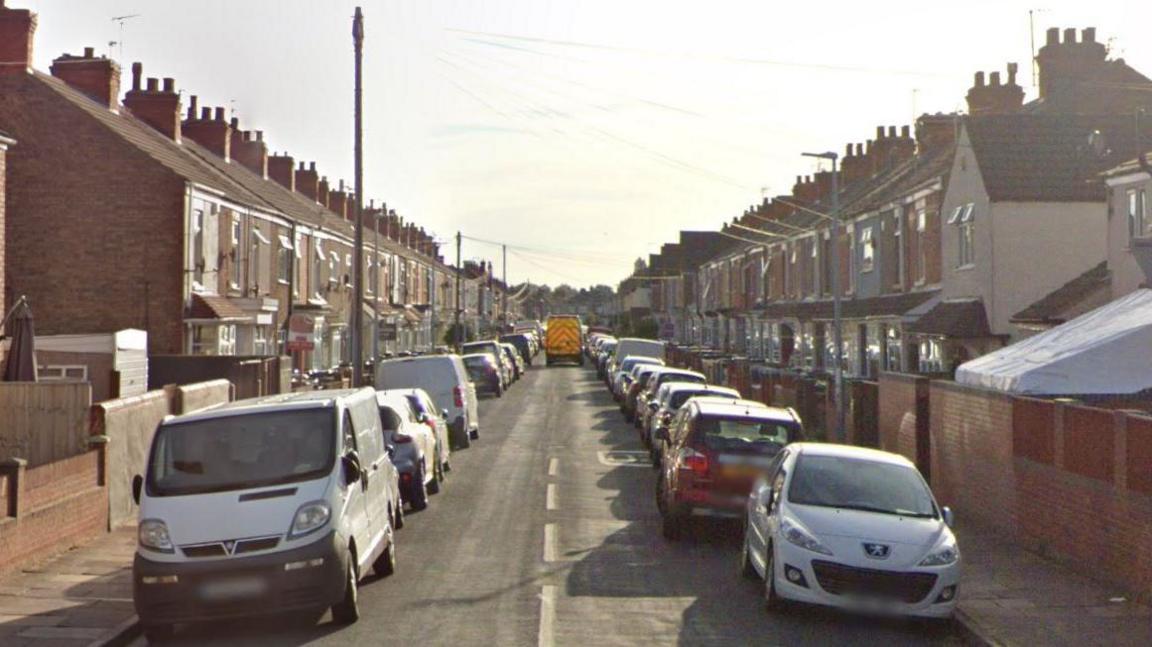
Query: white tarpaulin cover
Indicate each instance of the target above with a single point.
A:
(1105, 351)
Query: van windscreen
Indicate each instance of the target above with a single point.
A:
(241, 452)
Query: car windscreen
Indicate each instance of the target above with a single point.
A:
(680, 377)
(477, 362)
(417, 404)
(241, 452)
(390, 418)
(743, 433)
(860, 484)
(680, 397)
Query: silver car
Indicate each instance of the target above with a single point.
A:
(414, 446)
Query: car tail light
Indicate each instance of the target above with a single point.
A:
(695, 462)
(401, 439)
(458, 396)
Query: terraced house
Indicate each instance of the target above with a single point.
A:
(137, 214)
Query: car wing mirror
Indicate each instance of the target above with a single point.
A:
(391, 450)
(444, 414)
(138, 485)
(949, 518)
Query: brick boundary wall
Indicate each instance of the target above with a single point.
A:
(1069, 481)
(51, 507)
(897, 413)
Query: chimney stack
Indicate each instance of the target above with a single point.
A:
(280, 169)
(935, 132)
(1070, 71)
(307, 181)
(211, 132)
(157, 108)
(17, 30)
(322, 192)
(97, 78)
(995, 98)
(249, 149)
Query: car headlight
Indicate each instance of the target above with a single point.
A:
(153, 535)
(941, 556)
(309, 518)
(800, 537)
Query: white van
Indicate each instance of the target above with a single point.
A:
(270, 504)
(443, 377)
(628, 346)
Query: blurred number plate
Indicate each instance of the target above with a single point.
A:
(241, 587)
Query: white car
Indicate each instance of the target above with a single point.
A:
(417, 443)
(853, 528)
(622, 373)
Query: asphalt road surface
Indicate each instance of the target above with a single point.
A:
(546, 533)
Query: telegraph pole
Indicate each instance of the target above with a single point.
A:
(358, 251)
(504, 250)
(459, 333)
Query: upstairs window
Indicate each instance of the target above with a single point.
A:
(284, 260)
(867, 250)
(962, 218)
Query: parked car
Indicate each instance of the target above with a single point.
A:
(853, 528)
(669, 399)
(416, 446)
(493, 348)
(629, 346)
(623, 376)
(222, 486)
(513, 357)
(444, 378)
(523, 346)
(641, 373)
(658, 379)
(714, 450)
(484, 371)
(603, 354)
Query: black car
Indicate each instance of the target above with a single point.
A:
(485, 373)
(522, 344)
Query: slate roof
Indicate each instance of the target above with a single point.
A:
(1048, 157)
(889, 305)
(957, 318)
(1053, 306)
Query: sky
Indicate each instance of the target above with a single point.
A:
(582, 134)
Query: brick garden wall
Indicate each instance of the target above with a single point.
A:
(897, 415)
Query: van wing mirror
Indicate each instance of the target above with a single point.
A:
(444, 414)
(137, 486)
(352, 470)
(662, 434)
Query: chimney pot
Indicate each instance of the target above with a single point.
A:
(995, 78)
(879, 132)
(88, 52)
(169, 84)
(1012, 70)
(259, 135)
(799, 179)
(235, 123)
(848, 151)
(153, 84)
(979, 80)
(1088, 35)
(311, 166)
(1070, 35)
(219, 114)
(892, 131)
(193, 106)
(1053, 36)
(906, 132)
(859, 150)
(206, 114)
(137, 70)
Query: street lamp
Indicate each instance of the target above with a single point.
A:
(837, 333)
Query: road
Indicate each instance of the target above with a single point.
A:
(546, 533)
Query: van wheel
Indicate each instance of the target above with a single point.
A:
(347, 610)
(419, 499)
(159, 633)
(399, 515)
(385, 564)
(672, 527)
(474, 434)
(465, 439)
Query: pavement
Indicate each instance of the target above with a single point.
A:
(546, 533)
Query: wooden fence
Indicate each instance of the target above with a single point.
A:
(43, 422)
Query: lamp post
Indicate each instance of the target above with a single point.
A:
(376, 217)
(837, 333)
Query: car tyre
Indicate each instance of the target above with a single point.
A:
(747, 568)
(347, 610)
(159, 633)
(399, 514)
(419, 500)
(434, 484)
(772, 600)
(672, 527)
(474, 434)
(385, 564)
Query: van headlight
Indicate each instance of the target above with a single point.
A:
(309, 517)
(942, 556)
(798, 536)
(153, 535)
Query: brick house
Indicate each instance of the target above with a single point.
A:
(202, 238)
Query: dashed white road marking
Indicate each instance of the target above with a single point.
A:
(549, 542)
(546, 636)
(551, 497)
(621, 458)
(553, 466)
